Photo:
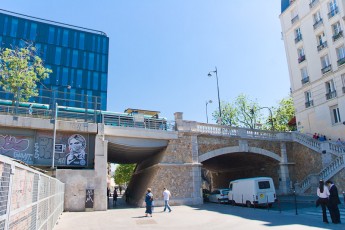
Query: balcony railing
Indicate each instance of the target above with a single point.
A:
(333, 12)
(298, 38)
(318, 23)
(301, 58)
(294, 19)
(309, 103)
(341, 61)
(313, 3)
(305, 80)
(331, 95)
(326, 69)
(322, 46)
(337, 36)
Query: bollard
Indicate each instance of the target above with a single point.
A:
(268, 207)
(242, 200)
(294, 193)
(254, 201)
(279, 207)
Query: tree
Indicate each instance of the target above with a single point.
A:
(20, 70)
(123, 173)
(283, 114)
(239, 113)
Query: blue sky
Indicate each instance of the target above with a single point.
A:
(161, 51)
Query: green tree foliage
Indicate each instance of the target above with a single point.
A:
(283, 114)
(239, 113)
(123, 173)
(247, 113)
(20, 70)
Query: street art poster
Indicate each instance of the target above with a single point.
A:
(71, 149)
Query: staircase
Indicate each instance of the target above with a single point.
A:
(322, 147)
(327, 173)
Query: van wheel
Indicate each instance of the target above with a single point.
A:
(270, 205)
(248, 204)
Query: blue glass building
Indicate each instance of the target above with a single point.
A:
(77, 56)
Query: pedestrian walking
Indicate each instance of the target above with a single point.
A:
(166, 195)
(115, 197)
(148, 201)
(30, 109)
(323, 194)
(108, 193)
(333, 203)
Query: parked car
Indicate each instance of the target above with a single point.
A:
(219, 196)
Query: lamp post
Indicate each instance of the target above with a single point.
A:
(54, 135)
(252, 111)
(207, 102)
(220, 110)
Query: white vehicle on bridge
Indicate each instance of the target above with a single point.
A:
(258, 191)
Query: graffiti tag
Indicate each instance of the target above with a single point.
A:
(11, 143)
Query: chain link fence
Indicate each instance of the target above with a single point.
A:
(29, 199)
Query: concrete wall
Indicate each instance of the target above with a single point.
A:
(77, 181)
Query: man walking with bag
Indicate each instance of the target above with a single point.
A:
(333, 203)
(166, 195)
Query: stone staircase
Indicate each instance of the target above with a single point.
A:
(330, 170)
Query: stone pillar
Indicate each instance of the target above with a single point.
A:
(196, 172)
(284, 179)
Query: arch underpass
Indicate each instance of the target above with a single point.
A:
(226, 164)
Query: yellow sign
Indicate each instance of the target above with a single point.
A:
(262, 196)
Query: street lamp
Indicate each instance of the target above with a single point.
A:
(220, 111)
(207, 102)
(252, 111)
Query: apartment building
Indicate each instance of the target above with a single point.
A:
(313, 34)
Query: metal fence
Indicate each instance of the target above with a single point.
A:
(29, 199)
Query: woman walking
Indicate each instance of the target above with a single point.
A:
(323, 194)
(148, 201)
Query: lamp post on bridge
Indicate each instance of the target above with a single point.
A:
(207, 102)
(220, 110)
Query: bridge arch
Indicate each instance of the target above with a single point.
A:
(236, 149)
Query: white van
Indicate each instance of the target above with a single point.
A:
(258, 191)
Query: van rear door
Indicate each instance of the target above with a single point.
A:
(266, 191)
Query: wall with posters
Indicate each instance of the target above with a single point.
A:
(35, 147)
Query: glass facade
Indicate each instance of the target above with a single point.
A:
(78, 58)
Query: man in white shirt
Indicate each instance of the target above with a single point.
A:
(166, 195)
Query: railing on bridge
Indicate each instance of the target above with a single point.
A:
(28, 199)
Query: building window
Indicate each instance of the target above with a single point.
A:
(104, 82)
(79, 78)
(81, 40)
(301, 55)
(313, 3)
(335, 114)
(33, 31)
(343, 82)
(330, 90)
(317, 20)
(95, 80)
(325, 64)
(65, 38)
(308, 100)
(304, 74)
(14, 27)
(58, 56)
(75, 58)
(321, 41)
(294, 16)
(298, 35)
(337, 31)
(91, 60)
(333, 8)
(51, 35)
(341, 55)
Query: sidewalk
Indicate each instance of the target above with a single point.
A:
(207, 216)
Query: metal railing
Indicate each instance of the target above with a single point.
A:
(309, 103)
(28, 199)
(322, 46)
(294, 19)
(318, 23)
(313, 3)
(331, 95)
(337, 35)
(305, 80)
(301, 58)
(341, 61)
(333, 12)
(298, 38)
(326, 69)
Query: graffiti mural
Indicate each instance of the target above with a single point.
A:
(71, 149)
(16, 147)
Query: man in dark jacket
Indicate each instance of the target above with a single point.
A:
(333, 202)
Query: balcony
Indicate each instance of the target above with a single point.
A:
(341, 61)
(318, 23)
(294, 19)
(309, 103)
(313, 3)
(337, 36)
(298, 38)
(333, 12)
(326, 69)
(305, 80)
(322, 46)
(301, 59)
(331, 95)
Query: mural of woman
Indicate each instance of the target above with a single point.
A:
(77, 155)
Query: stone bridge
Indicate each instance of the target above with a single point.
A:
(192, 157)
